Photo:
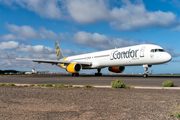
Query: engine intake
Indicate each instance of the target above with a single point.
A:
(117, 69)
(74, 68)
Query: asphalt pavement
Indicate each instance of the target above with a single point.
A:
(105, 80)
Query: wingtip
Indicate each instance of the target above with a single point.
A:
(9, 56)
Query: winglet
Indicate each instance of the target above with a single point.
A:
(9, 56)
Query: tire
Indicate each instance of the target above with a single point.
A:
(145, 75)
(98, 74)
(77, 74)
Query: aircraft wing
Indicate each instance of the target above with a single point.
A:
(52, 61)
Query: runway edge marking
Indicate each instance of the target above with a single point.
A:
(136, 87)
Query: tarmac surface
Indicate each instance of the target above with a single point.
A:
(43, 103)
(36, 103)
(83, 79)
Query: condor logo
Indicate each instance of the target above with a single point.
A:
(58, 51)
(124, 54)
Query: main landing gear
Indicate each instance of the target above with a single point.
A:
(145, 74)
(98, 74)
(75, 74)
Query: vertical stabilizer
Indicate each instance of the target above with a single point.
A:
(59, 54)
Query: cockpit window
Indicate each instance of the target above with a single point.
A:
(152, 50)
(161, 50)
(157, 50)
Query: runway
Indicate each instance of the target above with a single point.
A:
(83, 79)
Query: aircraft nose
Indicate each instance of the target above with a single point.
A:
(167, 57)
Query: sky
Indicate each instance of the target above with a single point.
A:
(28, 29)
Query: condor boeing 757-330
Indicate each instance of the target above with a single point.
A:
(116, 59)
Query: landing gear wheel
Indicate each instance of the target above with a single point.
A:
(98, 74)
(145, 75)
(75, 74)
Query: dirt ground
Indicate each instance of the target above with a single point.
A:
(25, 103)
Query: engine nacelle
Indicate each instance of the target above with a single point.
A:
(74, 68)
(117, 69)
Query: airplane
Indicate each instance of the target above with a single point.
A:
(116, 59)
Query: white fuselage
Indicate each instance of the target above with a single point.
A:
(145, 54)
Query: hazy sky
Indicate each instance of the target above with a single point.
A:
(30, 27)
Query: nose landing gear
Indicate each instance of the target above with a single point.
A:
(145, 74)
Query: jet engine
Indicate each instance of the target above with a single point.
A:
(74, 68)
(117, 69)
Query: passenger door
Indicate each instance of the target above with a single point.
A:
(142, 51)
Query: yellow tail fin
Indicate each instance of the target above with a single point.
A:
(59, 54)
